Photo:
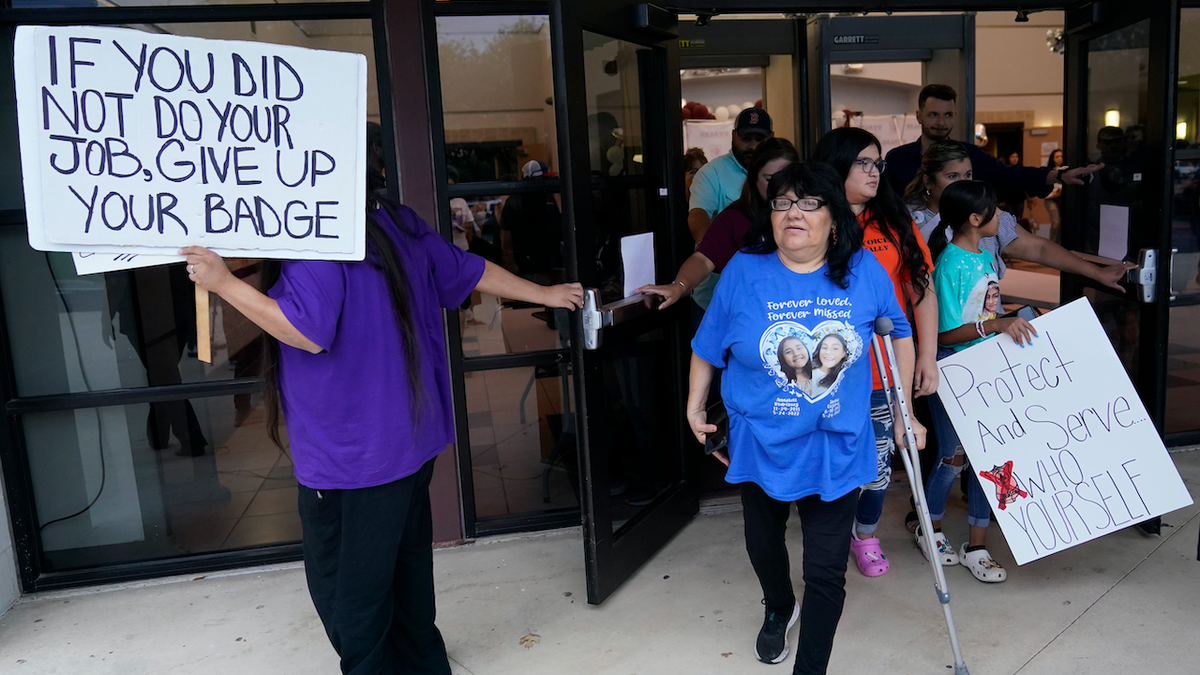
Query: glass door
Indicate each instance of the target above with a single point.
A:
(1120, 102)
(615, 90)
(1182, 423)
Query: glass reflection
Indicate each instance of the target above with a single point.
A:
(639, 436)
(1118, 67)
(614, 104)
(497, 95)
(104, 493)
(523, 443)
(522, 233)
(118, 330)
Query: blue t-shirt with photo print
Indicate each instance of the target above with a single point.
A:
(795, 349)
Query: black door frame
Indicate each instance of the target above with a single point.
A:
(611, 557)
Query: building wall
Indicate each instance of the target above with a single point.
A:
(1015, 70)
(878, 89)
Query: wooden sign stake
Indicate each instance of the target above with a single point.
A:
(203, 329)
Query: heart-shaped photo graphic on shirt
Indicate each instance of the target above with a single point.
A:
(809, 362)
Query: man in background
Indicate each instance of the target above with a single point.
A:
(936, 113)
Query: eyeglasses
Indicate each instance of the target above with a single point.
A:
(805, 204)
(867, 164)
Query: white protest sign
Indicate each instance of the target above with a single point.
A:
(95, 263)
(141, 143)
(1062, 444)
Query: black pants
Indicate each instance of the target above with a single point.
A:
(826, 530)
(368, 556)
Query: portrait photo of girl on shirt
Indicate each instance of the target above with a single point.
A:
(796, 363)
(832, 355)
(983, 302)
(991, 301)
(792, 352)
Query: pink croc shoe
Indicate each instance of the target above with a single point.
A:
(869, 557)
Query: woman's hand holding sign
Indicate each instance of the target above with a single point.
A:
(1021, 331)
(208, 271)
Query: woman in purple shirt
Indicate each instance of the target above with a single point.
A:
(358, 366)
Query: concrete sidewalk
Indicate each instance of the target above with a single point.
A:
(1126, 603)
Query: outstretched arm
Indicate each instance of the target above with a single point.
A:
(698, 222)
(1040, 250)
(693, 271)
(500, 282)
(209, 272)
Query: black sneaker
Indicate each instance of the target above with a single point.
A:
(771, 646)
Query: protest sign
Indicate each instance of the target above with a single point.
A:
(96, 263)
(1057, 435)
(140, 143)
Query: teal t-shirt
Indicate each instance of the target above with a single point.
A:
(715, 186)
(795, 355)
(968, 290)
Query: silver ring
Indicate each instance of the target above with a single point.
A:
(191, 269)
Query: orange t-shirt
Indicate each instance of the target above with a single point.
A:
(875, 241)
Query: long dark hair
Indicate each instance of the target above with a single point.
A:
(1050, 163)
(788, 371)
(840, 148)
(751, 203)
(383, 256)
(935, 159)
(961, 200)
(813, 179)
(833, 373)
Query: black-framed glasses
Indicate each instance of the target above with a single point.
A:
(867, 164)
(804, 204)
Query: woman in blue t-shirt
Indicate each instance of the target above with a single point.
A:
(968, 302)
(806, 279)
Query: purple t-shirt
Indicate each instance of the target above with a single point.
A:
(724, 236)
(347, 408)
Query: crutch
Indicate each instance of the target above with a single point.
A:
(912, 464)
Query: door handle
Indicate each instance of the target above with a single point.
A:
(1171, 277)
(593, 319)
(597, 317)
(1145, 277)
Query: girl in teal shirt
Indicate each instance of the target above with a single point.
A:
(968, 293)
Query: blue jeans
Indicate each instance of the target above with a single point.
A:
(870, 499)
(937, 489)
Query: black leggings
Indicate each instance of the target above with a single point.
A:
(825, 527)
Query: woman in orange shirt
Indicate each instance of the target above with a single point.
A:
(889, 233)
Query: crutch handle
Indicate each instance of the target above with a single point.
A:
(883, 326)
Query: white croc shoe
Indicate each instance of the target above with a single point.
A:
(982, 565)
(946, 553)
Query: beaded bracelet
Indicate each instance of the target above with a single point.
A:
(979, 329)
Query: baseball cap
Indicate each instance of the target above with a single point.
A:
(753, 119)
(534, 169)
